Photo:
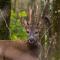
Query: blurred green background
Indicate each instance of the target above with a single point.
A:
(17, 31)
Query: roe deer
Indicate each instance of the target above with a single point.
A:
(23, 50)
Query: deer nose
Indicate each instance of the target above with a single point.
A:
(31, 40)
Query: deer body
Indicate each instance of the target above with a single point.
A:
(13, 50)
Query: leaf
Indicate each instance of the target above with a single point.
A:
(22, 14)
(13, 37)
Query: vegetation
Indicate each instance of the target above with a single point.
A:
(5, 12)
(17, 31)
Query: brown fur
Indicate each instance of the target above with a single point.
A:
(17, 50)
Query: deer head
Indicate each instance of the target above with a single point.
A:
(32, 25)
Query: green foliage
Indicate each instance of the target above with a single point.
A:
(22, 14)
(17, 31)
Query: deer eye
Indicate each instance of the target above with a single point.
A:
(36, 32)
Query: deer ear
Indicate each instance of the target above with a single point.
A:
(25, 23)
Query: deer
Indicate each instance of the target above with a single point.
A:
(24, 50)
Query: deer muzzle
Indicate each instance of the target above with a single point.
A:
(32, 41)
